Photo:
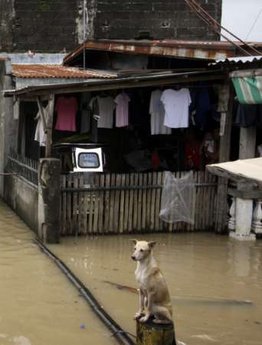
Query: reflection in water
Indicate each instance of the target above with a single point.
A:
(215, 282)
(38, 305)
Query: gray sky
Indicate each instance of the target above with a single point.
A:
(243, 18)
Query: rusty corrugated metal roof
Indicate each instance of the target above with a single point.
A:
(211, 50)
(238, 61)
(57, 71)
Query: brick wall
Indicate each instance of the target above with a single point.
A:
(55, 25)
(6, 25)
(45, 25)
(161, 18)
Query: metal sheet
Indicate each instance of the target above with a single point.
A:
(242, 169)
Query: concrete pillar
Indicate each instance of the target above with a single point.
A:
(257, 218)
(232, 215)
(49, 200)
(244, 207)
(244, 214)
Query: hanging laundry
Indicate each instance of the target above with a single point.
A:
(200, 107)
(103, 110)
(176, 104)
(85, 124)
(66, 108)
(122, 114)
(40, 134)
(157, 113)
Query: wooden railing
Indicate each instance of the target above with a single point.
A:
(127, 203)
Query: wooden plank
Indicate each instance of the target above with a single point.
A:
(81, 215)
(122, 205)
(107, 203)
(100, 178)
(135, 203)
(127, 204)
(144, 201)
(152, 203)
(139, 204)
(131, 204)
(111, 203)
(160, 180)
(96, 197)
(117, 204)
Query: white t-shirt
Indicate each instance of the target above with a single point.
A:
(122, 101)
(157, 113)
(176, 104)
(106, 106)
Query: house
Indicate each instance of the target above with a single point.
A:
(109, 66)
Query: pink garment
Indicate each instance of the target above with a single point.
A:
(122, 101)
(66, 108)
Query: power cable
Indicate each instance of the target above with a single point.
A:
(217, 27)
(121, 336)
(253, 25)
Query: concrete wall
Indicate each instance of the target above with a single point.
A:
(22, 197)
(8, 126)
(58, 25)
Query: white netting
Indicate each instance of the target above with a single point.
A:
(178, 199)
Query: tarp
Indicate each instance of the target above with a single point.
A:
(242, 169)
(248, 86)
(248, 89)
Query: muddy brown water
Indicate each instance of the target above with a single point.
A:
(215, 283)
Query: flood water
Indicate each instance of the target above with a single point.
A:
(215, 283)
(38, 306)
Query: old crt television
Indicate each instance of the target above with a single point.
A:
(88, 159)
(80, 157)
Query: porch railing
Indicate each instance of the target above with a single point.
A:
(25, 167)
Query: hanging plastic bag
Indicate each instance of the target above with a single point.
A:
(178, 199)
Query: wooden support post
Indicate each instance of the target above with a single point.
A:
(247, 142)
(47, 120)
(224, 154)
(151, 333)
(49, 200)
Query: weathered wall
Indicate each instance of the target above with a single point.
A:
(161, 18)
(55, 25)
(22, 197)
(8, 127)
(6, 25)
(45, 25)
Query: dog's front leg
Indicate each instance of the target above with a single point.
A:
(148, 312)
(141, 298)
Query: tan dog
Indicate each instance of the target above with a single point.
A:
(154, 299)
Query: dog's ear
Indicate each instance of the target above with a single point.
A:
(151, 244)
(134, 241)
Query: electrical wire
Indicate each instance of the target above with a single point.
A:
(253, 25)
(217, 27)
(121, 336)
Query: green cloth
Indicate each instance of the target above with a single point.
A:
(248, 89)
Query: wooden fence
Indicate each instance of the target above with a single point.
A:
(126, 203)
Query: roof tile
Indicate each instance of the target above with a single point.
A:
(57, 71)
